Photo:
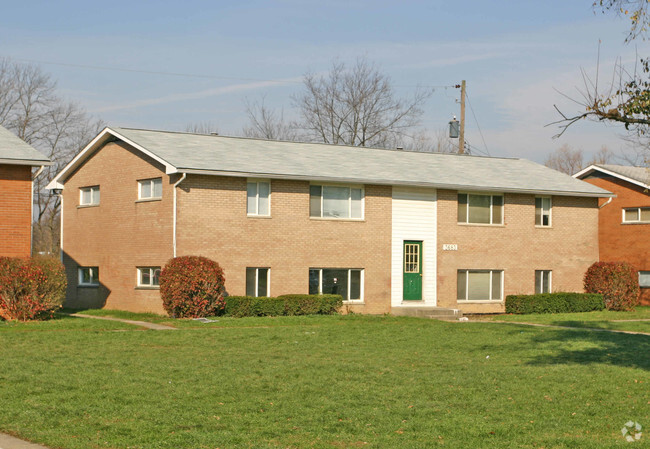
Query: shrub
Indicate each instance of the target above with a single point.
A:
(192, 287)
(241, 306)
(554, 303)
(618, 282)
(30, 288)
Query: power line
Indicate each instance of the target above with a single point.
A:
(477, 125)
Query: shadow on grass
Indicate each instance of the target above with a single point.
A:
(589, 347)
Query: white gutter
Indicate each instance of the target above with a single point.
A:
(175, 185)
(31, 223)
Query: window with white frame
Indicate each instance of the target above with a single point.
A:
(88, 276)
(644, 279)
(480, 285)
(150, 189)
(89, 196)
(542, 281)
(542, 211)
(257, 282)
(258, 198)
(636, 215)
(480, 208)
(347, 282)
(148, 276)
(329, 201)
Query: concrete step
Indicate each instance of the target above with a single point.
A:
(438, 313)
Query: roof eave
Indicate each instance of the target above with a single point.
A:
(587, 171)
(31, 162)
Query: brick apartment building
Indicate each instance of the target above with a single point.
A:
(624, 221)
(385, 228)
(17, 159)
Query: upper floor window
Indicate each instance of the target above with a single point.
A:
(636, 215)
(148, 276)
(542, 281)
(543, 211)
(326, 201)
(89, 276)
(150, 189)
(89, 196)
(480, 209)
(258, 198)
(480, 285)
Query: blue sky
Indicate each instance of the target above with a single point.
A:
(204, 59)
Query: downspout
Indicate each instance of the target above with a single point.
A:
(176, 185)
(606, 203)
(31, 223)
(61, 226)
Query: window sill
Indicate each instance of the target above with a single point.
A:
(148, 200)
(351, 302)
(85, 206)
(88, 286)
(481, 301)
(147, 287)
(357, 220)
(483, 225)
(635, 223)
(258, 216)
(543, 227)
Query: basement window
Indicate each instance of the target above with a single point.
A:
(148, 277)
(347, 282)
(88, 276)
(257, 282)
(542, 281)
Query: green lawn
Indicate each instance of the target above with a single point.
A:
(595, 320)
(320, 382)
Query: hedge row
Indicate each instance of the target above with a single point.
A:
(241, 306)
(554, 303)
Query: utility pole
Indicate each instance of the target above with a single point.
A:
(461, 139)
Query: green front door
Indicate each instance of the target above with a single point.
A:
(412, 270)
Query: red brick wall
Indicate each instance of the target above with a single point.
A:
(15, 210)
(212, 222)
(624, 242)
(118, 235)
(518, 247)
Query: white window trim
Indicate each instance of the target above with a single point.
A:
(481, 301)
(638, 209)
(92, 190)
(491, 195)
(151, 181)
(550, 280)
(257, 197)
(94, 277)
(350, 187)
(645, 273)
(550, 212)
(151, 276)
(361, 280)
(257, 278)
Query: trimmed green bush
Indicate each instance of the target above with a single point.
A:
(618, 282)
(30, 288)
(241, 306)
(192, 287)
(561, 302)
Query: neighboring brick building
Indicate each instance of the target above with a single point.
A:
(624, 222)
(16, 162)
(386, 229)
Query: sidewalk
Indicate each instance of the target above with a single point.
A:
(9, 442)
(154, 326)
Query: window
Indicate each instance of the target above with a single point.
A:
(88, 276)
(257, 282)
(150, 189)
(543, 211)
(480, 285)
(542, 281)
(347, 282)
(644, 279)
(148, 276)
(480, 209)
(89, 196)
(335, 202)
(258, 198)
(636, 215)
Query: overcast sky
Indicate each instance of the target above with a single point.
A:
(166, 64)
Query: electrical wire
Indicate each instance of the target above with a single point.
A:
(477, 125)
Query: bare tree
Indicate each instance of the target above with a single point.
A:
(570, 161)
(202, 128)
(30, 108)
(265, 123)
(356, 106)
(425, 141)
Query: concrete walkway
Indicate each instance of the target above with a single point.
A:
(9, 442)
(146, 324)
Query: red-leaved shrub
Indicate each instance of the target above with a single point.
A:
(30, 288)
(192, 287)
(618, 282)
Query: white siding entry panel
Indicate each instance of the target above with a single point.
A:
(414, 218)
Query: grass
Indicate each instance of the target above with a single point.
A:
(321, 382)
(595, 320)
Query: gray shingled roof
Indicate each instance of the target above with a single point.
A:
(640, 174)
(234, 156)
(256, 157)
(13, 150)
